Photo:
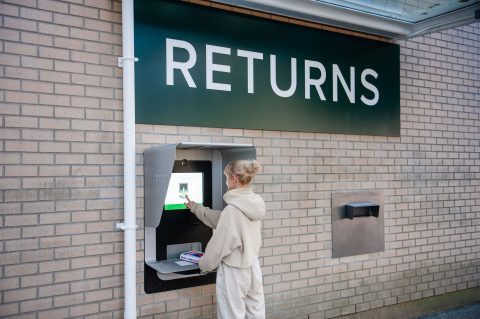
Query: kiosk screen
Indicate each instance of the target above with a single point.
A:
(182, 184)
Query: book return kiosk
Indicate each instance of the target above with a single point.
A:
(170, 172)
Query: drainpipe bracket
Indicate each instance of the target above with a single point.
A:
(122, 226)
(121, 59)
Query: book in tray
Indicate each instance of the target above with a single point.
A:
(192, 256)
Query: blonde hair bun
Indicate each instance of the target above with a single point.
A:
(244, 169)
(252, 166)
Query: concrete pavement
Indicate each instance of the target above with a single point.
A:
(466, 312)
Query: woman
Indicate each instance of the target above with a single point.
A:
(234, 247)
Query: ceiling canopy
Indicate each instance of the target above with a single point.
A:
(388, 18)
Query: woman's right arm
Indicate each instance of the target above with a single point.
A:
(207, 215)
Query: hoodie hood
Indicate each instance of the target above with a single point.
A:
(249, 203)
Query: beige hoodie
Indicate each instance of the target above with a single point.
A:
(237, 237)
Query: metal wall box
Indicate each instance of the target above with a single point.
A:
(357, 223)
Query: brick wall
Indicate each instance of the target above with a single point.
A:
(61, 179)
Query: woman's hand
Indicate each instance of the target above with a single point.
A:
(189, 203)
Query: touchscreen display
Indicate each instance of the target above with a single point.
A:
(182, 184)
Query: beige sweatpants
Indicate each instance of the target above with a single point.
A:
(240, 292)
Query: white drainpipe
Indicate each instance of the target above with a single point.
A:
(129, 226)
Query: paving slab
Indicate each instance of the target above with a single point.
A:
(467, 312)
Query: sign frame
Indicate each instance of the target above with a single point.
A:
(206, 67)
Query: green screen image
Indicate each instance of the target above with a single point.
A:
(181, 185)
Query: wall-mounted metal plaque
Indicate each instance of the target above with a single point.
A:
(357, 223)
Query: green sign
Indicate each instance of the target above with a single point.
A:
(200, 66)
